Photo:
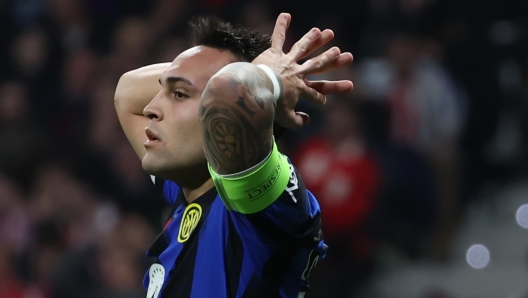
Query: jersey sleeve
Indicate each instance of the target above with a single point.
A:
(295, 213)
(272, 196)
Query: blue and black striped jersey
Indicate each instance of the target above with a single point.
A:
(205, 250)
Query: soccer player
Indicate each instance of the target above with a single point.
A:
(243, 223)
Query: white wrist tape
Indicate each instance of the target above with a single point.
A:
(274, 80)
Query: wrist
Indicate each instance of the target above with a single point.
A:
(275, 80)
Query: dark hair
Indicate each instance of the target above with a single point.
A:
(244, 43)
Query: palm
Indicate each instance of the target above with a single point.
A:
(293, 75)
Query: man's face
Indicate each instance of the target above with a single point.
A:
(175, 143)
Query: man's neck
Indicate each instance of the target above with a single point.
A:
(193, 194)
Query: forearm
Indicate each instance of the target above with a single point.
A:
(237, 110)
(138, 87)
(134, 91)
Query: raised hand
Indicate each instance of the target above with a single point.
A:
(294, 75)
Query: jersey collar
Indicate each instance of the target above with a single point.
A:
(204, 200)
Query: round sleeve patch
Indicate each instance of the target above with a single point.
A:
(156, 277)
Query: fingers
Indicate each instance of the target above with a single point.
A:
(326, 36)
(296, 120)
(316, 91)
(330, 87)
(279, 32)
(313, 96)
(305, 117)
(310, 42)
(331, 59)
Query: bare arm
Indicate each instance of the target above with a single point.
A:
(134, 91)
(237, 109)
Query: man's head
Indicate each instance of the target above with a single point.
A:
(175, 150)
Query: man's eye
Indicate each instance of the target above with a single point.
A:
(179, 95)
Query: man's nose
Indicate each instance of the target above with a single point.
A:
(152, 110)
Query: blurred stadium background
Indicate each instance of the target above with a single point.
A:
(421, 171)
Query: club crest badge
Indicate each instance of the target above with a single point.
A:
(190, 219)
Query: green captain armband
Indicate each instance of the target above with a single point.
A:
(256, 188)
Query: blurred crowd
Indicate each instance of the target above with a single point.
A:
(438, 111)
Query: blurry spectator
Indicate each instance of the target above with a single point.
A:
(340, 170)
(17, 129)
(59, 197)
(32, 62)
(167, 16)
(27, 13)
(135, 191)
(110, 267)
(14, 218)
(130, 48)
(79, 73)
(426, 108)
(338, 167)
(10, 285)
(71, 121)
(15, 237)
(120, 273)
(120, 259)
(256, 15)
(69, 18)
(104, 130)
(70, 221)
(30, 52)
(406, 208)
(427, 113)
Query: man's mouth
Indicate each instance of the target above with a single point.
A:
(152, 137)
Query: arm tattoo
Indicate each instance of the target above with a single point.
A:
(237, 118)
(241, 102)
